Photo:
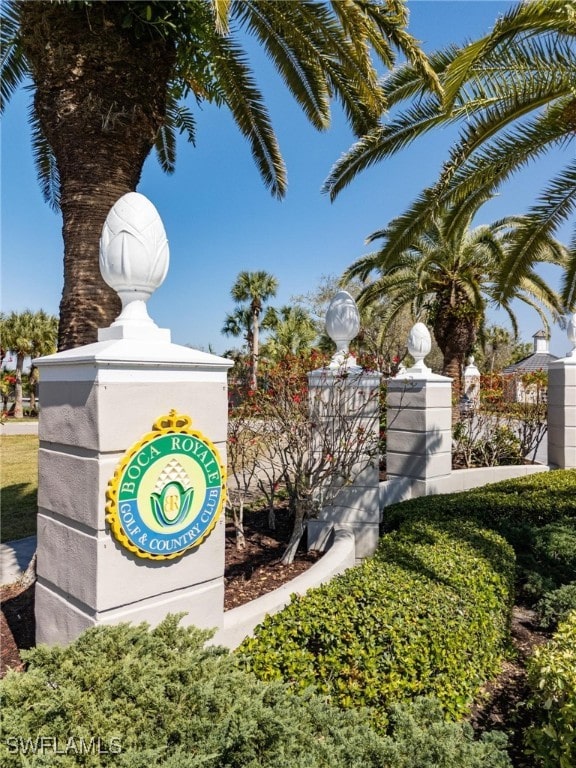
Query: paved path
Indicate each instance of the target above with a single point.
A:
(13, 427)
(14, 558)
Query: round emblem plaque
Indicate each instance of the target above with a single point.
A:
(167, 492)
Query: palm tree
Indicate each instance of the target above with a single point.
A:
(27, 334)
(255, 288)
(111, 82)
(292, 332)
(513, 92)
(44, 340)
(239, 323)
(448, 276)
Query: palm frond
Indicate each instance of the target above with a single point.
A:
(405, 82)
(221, 15)
(290, 49)
(13, 67)
(457, 218)
(346, 62)
(532, 241)
(165, 146)
(360, 269)
(182, 119)
(381, 142)
(529, 19)
(404, 230)
(249, 111)
(535, 285)
(391, 21)
(45, 162)
(484, 137)
(358, 28)
(569, 279)
(499, 159)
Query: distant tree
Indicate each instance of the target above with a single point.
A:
(251, 291)
(384, 346)
(500, 348)
(448, 275)
(27, 334)
(292, 331)
(239, 324)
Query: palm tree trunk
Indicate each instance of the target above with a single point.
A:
(452, 367)
(18, 409)
(455, 331)
(32, 380)
(102, 124)
(255, 351)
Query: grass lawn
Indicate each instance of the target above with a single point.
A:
(19, 485)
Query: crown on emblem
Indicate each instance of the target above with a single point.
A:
(172, 422)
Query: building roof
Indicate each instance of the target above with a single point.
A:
(534, 362)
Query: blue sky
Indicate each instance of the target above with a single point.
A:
(220, 219)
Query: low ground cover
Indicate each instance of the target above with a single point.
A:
(128, 697)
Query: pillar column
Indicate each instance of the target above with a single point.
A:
(562, 407)
(472, 384)
(344, 401)
(419, 424)
(129, 527)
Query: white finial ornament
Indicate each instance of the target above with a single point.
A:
(419, 345)
(134, 261)
(471, 369)
(342, 325)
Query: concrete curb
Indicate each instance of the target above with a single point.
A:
(240, 622)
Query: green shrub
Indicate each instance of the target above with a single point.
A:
(535, 514)
(552, 681)
(420, 737)
(555, 606)
(131, 698)
(426, 615)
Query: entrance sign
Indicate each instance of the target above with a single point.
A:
(167, 492)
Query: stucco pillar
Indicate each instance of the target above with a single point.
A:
(344, 399)
(419, 425)
(99, 404)
(562, 407)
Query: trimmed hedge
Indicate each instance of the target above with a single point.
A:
(426, 615)
(131, 698)
(552, 680)
(535, 514)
